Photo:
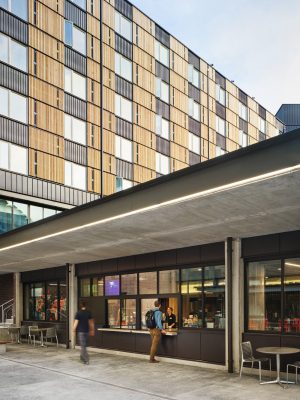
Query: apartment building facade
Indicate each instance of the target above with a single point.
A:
(95, 97)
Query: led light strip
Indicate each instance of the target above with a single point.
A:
(203, 193)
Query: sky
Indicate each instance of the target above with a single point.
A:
(256, 43)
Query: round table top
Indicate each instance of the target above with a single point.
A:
(278, 350)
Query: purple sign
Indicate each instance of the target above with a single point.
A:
(112, 287)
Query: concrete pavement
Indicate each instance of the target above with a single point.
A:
(29, 373)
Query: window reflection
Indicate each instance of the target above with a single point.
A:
(169, 281)
(146, 305)
(148, 282)
(128, 307)
(292, 295)
(214, 297)
(191, 289)
(129, 284)
(113, 312)
(5, 215)
(52, 301)
(20, 214)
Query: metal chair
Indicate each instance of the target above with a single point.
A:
(50, 334)
(24, 331)
(32, 333)
(247, 357)
(296, 365)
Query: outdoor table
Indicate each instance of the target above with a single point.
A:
(278, 351)
(41, 331)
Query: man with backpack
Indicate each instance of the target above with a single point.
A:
(154, 324)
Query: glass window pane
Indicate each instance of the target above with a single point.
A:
(62, 301)
(264, 295)
(52, 301)
(123, 26)
(165, 92)
(214, 297)
(78, 86)
(80, 3)
(292, 295)
(4, 155)
(18, 159)
(126, 109)
(5, 212)
(19, 8)
(20, 214)
(169, 281)
(36, 213)
(113, 313)
(4, 48)
(146, 305)
(18, 55)
(68, 33)
(68, 173)
(148, 282)
(165, 132)
(112, 285)
(38, 297)
(78, 176)
(126, 150)
(97, 286)
(68, 126)
(85, 287)
(79, 40)
(18, 107)
(128, 310)
(129, 284)
(3, 101)
(191, 289)
(118, 105)
(68, 80)
(79, 131)
(48, 212)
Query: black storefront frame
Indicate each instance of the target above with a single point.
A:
(282, 259)
(157, 295)
(45, 284)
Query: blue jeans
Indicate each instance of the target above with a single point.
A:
(83, 338)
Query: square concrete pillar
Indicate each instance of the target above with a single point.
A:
(18, 296)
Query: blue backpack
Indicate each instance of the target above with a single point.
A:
(150, 319)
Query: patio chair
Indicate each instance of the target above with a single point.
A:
(50, 334)
(33, 332)
(24, 331)
(14, 334)
(247, 357)
(296, 365)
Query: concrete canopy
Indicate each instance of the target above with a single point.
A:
(249, 192)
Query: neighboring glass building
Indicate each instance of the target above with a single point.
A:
(63, 144)
(289, 114)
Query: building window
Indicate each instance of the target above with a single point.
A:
(13, 105)
(162, 90)
(162, 127)
(113, 313)
(128, 313)
(243, 139)
(194, 109)
(75, 37)
(129, 284)
(219, 151)
(220, 126)
(243, 111)
(162, 54)
(75, 84)
(162, 164)
(80, 3)
(75, 175)
(16, 7)
(123, 108)
(13, 157)
(112, 285)
(13, 53)
(75, 129)
(123, 149)
(292, 295)
(122, 184)
(123, 67)
(194, 143)
(262, 125)
(20, 214)
(220, 95)
(146, 305)
(194, 76)
(169, 281)
(148, 282)
(123, 26)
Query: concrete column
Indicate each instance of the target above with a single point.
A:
(18, 296)
(73, 301)
(228, 301)
(237, 302)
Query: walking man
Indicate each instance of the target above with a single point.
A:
(156, 332)
(84, 326)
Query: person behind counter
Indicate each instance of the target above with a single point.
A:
(170, 318)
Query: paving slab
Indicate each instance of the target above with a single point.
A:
(34, 373)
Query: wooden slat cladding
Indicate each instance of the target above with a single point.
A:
(93, 26)
(144, 156)
(162, 36)
(93, 70)
(94, 180)
(178, 117)
(75, 152)
(123, 46)
(124, 169)
(141, 174)
(96, 47)
(57, 6)
(48, 21)
(143, 97)
(180, 135)
(146, 118)
(178, 82)
(75, 61)
(143, 21)
(124, 128)
(13, 79)
(75, 14)
(109, 100)
(144, 136)
(162, 146)
(109, 121)
(144, 40)
(123, 87)
(194, 93)
(93, 135)
(109, 184)
(46, 142)
(109, 163)
(108, 14)
(108, 142)
(95, 97)
(13, 131)
(162, 72)
(94, 158)
(108, 57)
(13, 27)
(179, 153)
(47, 69)
(123, 7)
(93, 114)
(180, 66)
(46, 44)
(75, 106)
(144, 60)
(46, 93)
(47, 118)
(48, 167)
(145, 79)
(162, 109)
